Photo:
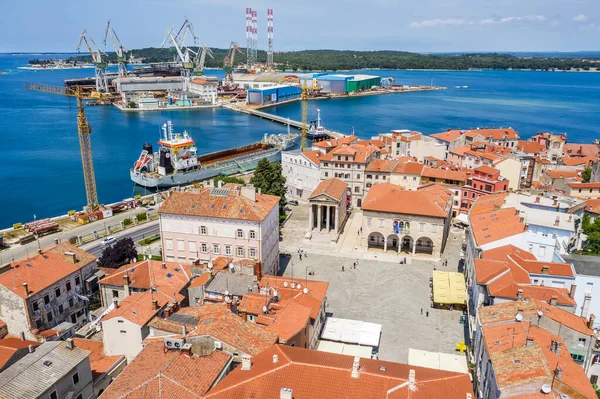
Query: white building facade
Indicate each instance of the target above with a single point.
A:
(301, 172)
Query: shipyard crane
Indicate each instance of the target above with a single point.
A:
(201, 58)
(99, 65)
(84, 131)
(119, 49)
(184, 54)
(230, 61)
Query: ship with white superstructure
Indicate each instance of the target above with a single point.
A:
(177, 161)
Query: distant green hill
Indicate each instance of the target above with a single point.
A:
(333, 60)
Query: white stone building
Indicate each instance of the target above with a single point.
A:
(301, 172)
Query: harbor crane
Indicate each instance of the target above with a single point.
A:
(184, 53)
(119, 49)
(201, 58)
(230, 61)
(99, 65)
(84, 131)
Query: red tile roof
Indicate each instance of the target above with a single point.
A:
(486, 170)
(45, 270)
(582, 161)
(449, 136)
(447, 174)
(150, 274)
(391, 198)
(314, 297)
(381, 165)
(201, 280)
(582, 149)
(583, 185)
(157, 373)
(461, 150)
(99, 362)
(409, 168)
(531, 147)
(233, 205)
(490, 227)
(487, 203)
(313, 156)
(333, 188)
(138, 308)
(496, 134)
(313, 374)
(336, 142)
(593, 206)
(562, 174)
(9, 346)
(360, 153)
(528, 367)
(288, 319)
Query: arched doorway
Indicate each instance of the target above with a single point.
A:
(424, 246)
(358, 202)
(376, 240)
(393, 243)
(407, 244)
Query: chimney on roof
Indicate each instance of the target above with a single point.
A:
(553, 300)
(469, 396)
(555, 202)
(164, 265)
(519, 294)
(39, 251)
(249, 192)
(557, 221)
(26, 289)
(22, 335)
(558, 372)
(285, 393)
(412, 381)
(183, 327)
(275, 358)
(246, 362)
(586, 305)
(355, 367)
(590, 322)
(70, 343)
(537, 200)
(155, 304)
(572, 290)
(126, 284)
(545, 269)
(528, 342)
(31, 348)
(71, 257)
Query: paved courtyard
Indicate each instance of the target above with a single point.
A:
(382, 291)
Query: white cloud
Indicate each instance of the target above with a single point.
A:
(428, 23)
(580, 18)
(508, 20)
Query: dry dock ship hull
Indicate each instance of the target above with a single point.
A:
(223, 163)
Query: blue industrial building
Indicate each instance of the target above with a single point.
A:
(274, 94)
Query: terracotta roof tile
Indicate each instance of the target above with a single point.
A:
(334, 188)
(360, 153)
(233, 205)
(99, 362)
(201, 280)
(138, 308)
(313, 156)
(289, 320)
(447, 174)
(496, 134)
(490, 227)
(583, 185)
(9, 346)
(449, 136)
(156, 373)
(460, 151)
(381, 165)
(391, 198)
(313, 374)
(593, 206)
(253, 303)
(582, 149)
(42, 271)
(314, 298)
(578, 161)
(531, 147)
(409, 168)
(486, 170)
(562, 174)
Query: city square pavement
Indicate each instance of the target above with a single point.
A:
(382, 291)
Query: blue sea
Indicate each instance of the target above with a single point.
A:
(40, 168)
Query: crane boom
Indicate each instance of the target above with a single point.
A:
(99, 65)
(84, 131)
(119, 49)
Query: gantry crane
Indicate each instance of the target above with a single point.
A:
(84, 131)
(99, 65)
(229, 62)
(119, 49)
(184, 53)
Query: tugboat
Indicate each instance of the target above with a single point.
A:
(316, 131)
(177, 161)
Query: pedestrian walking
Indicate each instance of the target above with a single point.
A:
(427, 313)
(305, 254)
(343, 268)
(421, 310)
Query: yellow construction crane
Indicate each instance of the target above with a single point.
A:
(304, 115)
(84, 131)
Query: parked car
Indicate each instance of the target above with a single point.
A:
(292, 202)
(108, 240)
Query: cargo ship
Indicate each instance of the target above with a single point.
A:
(177, 161)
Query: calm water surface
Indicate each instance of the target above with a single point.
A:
(40, 165)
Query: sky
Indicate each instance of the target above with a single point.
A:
(408, 25)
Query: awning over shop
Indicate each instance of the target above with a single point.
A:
(449, 288)
(462, 218)
(351, 331)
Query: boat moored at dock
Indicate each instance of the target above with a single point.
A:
(177, 161)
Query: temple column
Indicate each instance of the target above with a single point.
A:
(311, 218)
(319, 217)
(327, 215)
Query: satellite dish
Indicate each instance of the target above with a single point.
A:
(540, 313)
(546, 388)
(230, 265)
(305, 290)
(519, 317)
(210, 265)
(285, 284)
(298, 286)
(226, 293)
(293, 285)
(275, 293)
(264, 309)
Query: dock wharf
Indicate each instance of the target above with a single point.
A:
(276, 118)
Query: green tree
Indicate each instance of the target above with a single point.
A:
(118, 254)
(587, 174)
(268, 176)
(228, 179)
